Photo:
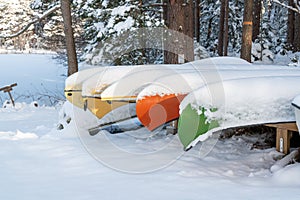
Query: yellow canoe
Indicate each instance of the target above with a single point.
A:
(101, 107)
(73, 85)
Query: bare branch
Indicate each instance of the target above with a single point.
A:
(297, 4)
(297, 9)
(37, 19)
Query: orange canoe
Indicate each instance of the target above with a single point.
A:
(154, 111)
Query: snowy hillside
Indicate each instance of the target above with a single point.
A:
(37, 161)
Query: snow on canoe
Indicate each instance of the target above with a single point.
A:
(159, 102)
(234, 103)
(73, 85)
(129, 86)
(93, 87)
(296, 104)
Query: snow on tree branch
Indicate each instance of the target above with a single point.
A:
(295, 9)
(37, 19)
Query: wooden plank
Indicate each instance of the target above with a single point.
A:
(8, 87)
(291, 126)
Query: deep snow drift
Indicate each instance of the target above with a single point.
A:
(37, 161)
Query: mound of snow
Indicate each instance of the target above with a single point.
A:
(288, 176)
(17, 135)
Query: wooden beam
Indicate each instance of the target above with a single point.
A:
(291, 126)
(8, 89)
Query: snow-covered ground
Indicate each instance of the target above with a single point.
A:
(39, 77)
(37, 161)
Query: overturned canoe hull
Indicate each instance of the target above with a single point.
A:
(73, 85)
(191, 125)
(236, 103)
(74, 97)
(101, 107)
(155, 111)
(296, 104)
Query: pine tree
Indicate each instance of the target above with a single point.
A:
(51, 30)
(272, 38)
(106, 29)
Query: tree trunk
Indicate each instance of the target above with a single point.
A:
(291, 25)
(180, 19)
(197, 20)
(221, 29)
(247, 31)
(256, 19)
(70, 43)
(226, 31)
(297, 33)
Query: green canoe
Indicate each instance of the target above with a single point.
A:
(191, 125)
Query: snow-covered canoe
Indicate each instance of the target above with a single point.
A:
(93, 87)
(235, 103)
(73, 85)
(159, 102)
(296, 104)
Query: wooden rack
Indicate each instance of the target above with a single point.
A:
(283, 135)
(8, 89)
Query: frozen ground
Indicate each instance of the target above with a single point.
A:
(37, 161)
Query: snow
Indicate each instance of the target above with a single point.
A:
(122, 26)
(38, 161)
(296, 100)
(75, 81)
(193, 80)
(136, 80)
(99, 81)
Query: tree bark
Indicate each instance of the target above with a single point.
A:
(247, 30)
(197, 20)
(297, 33)
(70, 43)
(180, 19)
(256, 19)
(291, 25)
(226, 28)
(221, 29)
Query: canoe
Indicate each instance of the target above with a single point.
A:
(155, 111)
(73, 85)
(96, 84)
(296, 104)
(236, 103)
(101, 107)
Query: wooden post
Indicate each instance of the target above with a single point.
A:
(283, 140)
(283, 135)
(11, 98)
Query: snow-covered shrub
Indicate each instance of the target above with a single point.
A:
(200, 52)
